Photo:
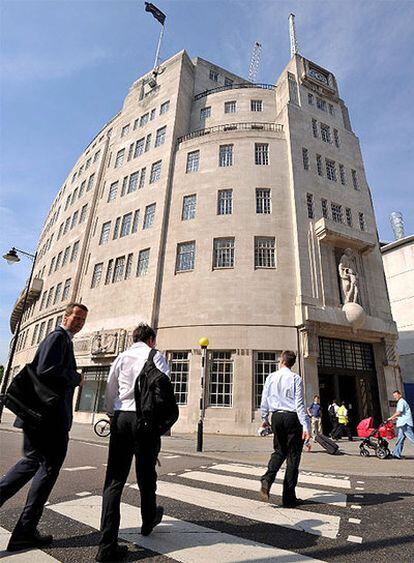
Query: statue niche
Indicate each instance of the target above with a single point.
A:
(348, 276)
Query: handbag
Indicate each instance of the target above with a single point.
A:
(30, 399)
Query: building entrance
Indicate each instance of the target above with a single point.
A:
(347, 373)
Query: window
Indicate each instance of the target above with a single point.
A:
(119, 161)
(361, 218)
(74, 195)
(52, 264)
(139, 147)
(355, 180)
(50, 297)
(152, 114)
(319, 165)
(143, 262)
(130, 151)
(310, 99)
(348, 215)
(225, 202)
(265, 363)
(133, 182)
(185, 256)
(90, 182)
(126, 225)
(336, 212)
(65, 256)
(128, 266)
(310, 206)
(179, 368)
(83, 213)
(74, 219)
(96, 156)
(189, 207)
(88, 163)
(331, 110)
(125, 130)
(142, 178)
(223, 253)
(43, 301)
(336, 138)
(109, 269)
(59, 320)
(58, 259)
(263, 201)
(75, 251)
(41, 331)
(82, 189)
(230, 107)
(119, 269)
(116, 228)
(149, 216)
(67, 202)
(264, 252)
(305, 158)
(66, 289)
(144, 119)
(136, 123)
(160, 136)
(124, 186)
(92, 393)
(148, 142)
(106, 229)
(315, 128)
(221, 380)
(97, 275)
(325, 133)
(193, 161)
(57, 293)
(226, 155)
(113, 189)
(228, 81)
(321, 104)
(256, 105)
(135, 221)
(205, 112)
(330, 170)
(155, 172)
(60, 231)
(164, 107)
(34, 336)
(324, 207)
(213, 75)
(261, 153)
(342, 174)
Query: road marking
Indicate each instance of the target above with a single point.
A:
(355, 539)
(359, 488)
(168, 456)
(315, 495)
(303, 479)
(356, 506)
(34, 555)
(360, 482)
(326, 525)
(171, 474)
(81, 468)
(83, 494)
(354, 520)
(180, 540)
(358, 496)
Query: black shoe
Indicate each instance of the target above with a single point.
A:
(293, 503)
(36, 539)
(146, 529)
(264, 492)
(117, 553)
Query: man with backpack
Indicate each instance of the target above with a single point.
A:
(333, 417)
(141, 404)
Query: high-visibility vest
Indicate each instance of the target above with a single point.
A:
(343, 415)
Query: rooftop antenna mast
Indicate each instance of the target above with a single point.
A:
(294, 47)
(255, 61)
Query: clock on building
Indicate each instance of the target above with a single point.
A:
(317, 75)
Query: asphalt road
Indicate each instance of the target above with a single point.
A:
(213, 513)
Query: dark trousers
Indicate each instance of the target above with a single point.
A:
(44, 452)
(125, 442)
(341, 430)
(287, 445)
(335, 426)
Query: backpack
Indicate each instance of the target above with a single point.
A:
(155, 401)
(332, 412)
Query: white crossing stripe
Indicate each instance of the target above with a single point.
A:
(180, 540)
(169, 456)
(83, 494)
(82, 468)
(303, 479)
(355, 539)
(359, 488)
(356, 506)
(326, 525)
(315, 495)
(34, 555)
(354, 520)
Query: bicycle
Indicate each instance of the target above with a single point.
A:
(102, 427)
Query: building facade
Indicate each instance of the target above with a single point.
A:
(211, 206)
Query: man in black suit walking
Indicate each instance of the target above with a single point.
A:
(45, 447)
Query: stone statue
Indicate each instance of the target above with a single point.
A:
(348, 276)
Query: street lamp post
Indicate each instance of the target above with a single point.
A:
(203, 342)
(12, 257)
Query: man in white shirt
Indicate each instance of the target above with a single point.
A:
(283, 398)
(126, 441)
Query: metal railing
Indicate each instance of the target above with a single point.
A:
(245, 126)
(233, 87)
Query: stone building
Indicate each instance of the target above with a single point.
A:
(211, 206)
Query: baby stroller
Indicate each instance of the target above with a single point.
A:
(375, 438)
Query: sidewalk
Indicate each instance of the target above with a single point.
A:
(256, 450)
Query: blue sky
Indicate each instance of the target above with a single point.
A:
(66, 66)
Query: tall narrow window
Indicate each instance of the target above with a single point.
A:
(336, 210)
(348, 215)
(226, 155)
(58, 293)
(225, 202)
(261, 153)
(34, 336)
(135, 221)
(144, 119)
(139, 147)
(50, 297)
(65, 256)
(223, 253)
(230, 107)
(119, 269)
(355, 180)
(133, 182)
(325, 133)
(331, 110)
(315, 128)
(152, 114)
(264, 364)
(160, 136)
(324, 207)
(155, 172)
(124, 130)
(310, 206)
(128, 266)
(185, 256)
(213, 75)
(109, 268)
(119, 161)
(74, 219)
(41, 332)
(189, 207)
(361, 218)
(97, 275)
(319, 165)
(116, 228)
(263, 201)
(321, 104)
(205, 113)
(342, 174)
(130, 151)
(91, 182)
(336, 138)
(105, 230)
(142, 178)
(82, 189)
(330, 170)
(75, 251)
(52, 264)
(221, 380)
(305, 158)
(179, 370)
(164, 107)
(264, 252)
(148, 142)
(193, 161)
(113, 190)
(66, 290)
(256, 105)
(149, 216)
(83, 213)
(126, 225)
(143, 262)
(58, 260)
(310, 99)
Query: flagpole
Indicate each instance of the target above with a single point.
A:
(157, 53)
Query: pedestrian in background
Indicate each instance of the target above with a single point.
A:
(283, 400)
(404, 419)
(45, 446)
(343, 423)
(315, 413)
(333, 417)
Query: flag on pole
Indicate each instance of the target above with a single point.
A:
(158, 15)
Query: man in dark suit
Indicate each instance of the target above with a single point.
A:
(45, 447)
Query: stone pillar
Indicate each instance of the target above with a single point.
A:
(392, 372)
(309, 351)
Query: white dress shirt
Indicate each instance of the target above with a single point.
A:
(124, 371)
(283, 390)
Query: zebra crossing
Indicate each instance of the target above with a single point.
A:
(229, 490)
